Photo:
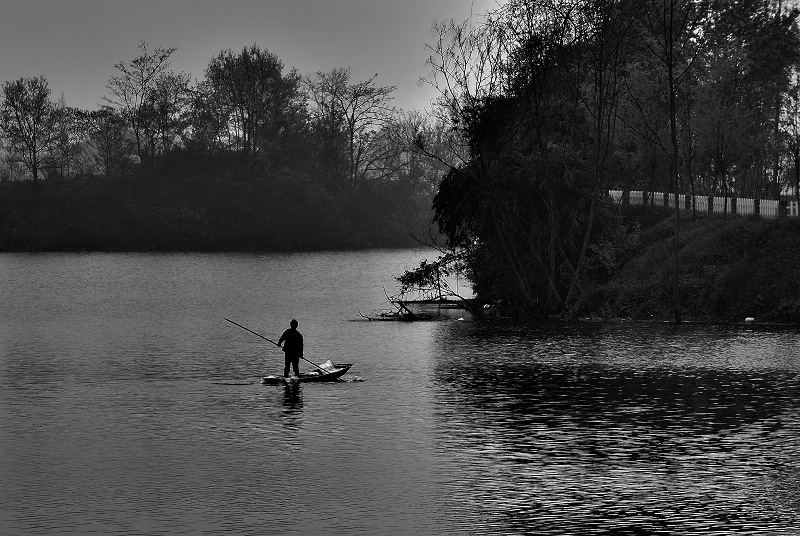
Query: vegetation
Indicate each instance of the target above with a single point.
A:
(544, 106)
(212, 204)
(558, 101)
(734, 268)
(252, 157)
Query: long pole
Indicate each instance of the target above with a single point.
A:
(268, 340)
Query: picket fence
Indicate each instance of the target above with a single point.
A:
(765, 208)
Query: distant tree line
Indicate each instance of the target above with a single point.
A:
(253, 156)
(557, 101)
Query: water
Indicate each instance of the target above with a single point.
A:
(128, 406)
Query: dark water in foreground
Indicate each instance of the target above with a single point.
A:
(128, 406)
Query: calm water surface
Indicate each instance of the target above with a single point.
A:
(128, 406)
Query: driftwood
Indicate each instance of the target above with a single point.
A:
(399, 311)
(380, 316)
(403, 312)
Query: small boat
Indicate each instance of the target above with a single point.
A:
(327, 372)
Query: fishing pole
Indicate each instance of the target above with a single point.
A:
(269, 340)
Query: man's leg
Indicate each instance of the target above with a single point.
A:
(296, 366)
(287, 362)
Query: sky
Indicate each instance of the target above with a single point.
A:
(75, 44)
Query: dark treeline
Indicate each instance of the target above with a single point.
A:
(557, 101)
(188, 205)
(253, 156)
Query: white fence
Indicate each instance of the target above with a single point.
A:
(766, 208)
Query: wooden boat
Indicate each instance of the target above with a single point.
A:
(328, 372)
(325, 372)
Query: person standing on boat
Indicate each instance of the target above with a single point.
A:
(292, 343)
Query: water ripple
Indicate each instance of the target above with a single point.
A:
(566, 435)
(128, 407)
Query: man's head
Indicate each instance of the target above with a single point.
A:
(293, 323)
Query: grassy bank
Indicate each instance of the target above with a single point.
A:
(731, 268)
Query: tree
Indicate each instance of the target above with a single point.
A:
(673, 31)
(430, 148)
(134, 93)
(208, 120)
(253, 98)
(792, 131)
(776, 53)
(726, 127)
(519, 207)
(604, 26)
(68, 156)
(30, 122)
(111, 138)
(165, 109)
(355, 111)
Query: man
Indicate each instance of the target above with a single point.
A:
(292, 347)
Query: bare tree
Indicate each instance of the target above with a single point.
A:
(111, 139)
(67, 156)
(30, 122)
(355, 110)
(133, 91)
(431, 145)
(166, 109)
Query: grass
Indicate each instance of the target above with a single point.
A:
(731, 268)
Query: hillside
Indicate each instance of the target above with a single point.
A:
(732, 268)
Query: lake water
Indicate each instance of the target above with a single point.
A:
(128, 406)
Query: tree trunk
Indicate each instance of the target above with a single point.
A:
(674, 172)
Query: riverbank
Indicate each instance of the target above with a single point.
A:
(732, 268)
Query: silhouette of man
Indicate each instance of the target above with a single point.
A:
(292, 348)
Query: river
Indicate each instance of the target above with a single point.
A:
(128, 406)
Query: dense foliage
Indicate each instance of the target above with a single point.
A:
(558, 101)
(216, 204)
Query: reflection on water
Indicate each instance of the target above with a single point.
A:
(292, 405)
(292, 397)
(128, 406)
(604, 431)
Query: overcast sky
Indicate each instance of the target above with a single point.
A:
(75, 43)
